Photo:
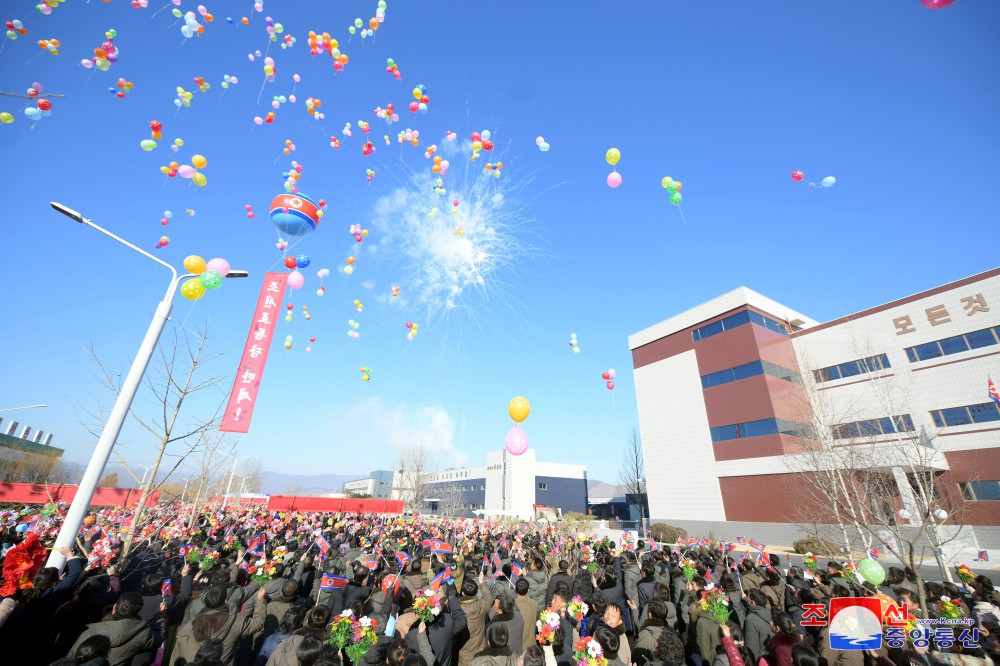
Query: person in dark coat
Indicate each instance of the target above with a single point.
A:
(557, 578)
(354, 591)
(87, 606)
(40, 605)
(506, 612)
(441, 632)
(612, 589)
(305, 574)
(130, 635)
(757, 629)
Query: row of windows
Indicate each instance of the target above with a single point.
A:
(980, 491)
(986, 337)
(751, 369)
(759, 428)
(873, 427)
(738, 319)
(852, 368)
(543, 486)
(955, 416)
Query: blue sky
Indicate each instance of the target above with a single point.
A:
(894, 100)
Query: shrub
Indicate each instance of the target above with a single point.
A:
(667, 533)
(818, 546)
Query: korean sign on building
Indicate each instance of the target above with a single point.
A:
(248, 376)
(940, 314)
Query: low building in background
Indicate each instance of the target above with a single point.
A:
(26, 456)
(731, 393)
(378, 485)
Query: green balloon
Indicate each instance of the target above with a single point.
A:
(147, 144)
(675, 198)
(672, 186)
(872, 571)
(211, 280)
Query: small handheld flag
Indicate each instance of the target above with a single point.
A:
(983, 556)
(515, 570)
(402, 559)
(330, 582)
(873, 553)
(165, 589)
(440, 579)
(256, 545)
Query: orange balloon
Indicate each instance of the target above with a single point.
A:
(209, 18)
(343, 58)
(245, 21)
(200, 30)
(499, 165)
(415, 141)
(436, 168)
(373, 23)
(317, 103)
(54, 42)
(350, 260)
(98, 52)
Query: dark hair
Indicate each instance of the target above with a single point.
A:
(152, 583)
(129, 605)
(669, 647)
(289, 588)
(469, 587)
(506, 603)
(803, 655)
(318, 617)
(657, 609)
(98, 645)
(534, 656)
(758, 597)
(563, 565)
(292, 619)
(209, 653)
(661, 591)
(562, 589)
(521, 587)
(416, 566)
(309, 650)
(215, 597)
(497, 635)
(360, 572)
(608, 640)
(397, 651)
(784, 623)
(804, 596)
(647, 569)
(44, 579)
(415, 660)
(598, 603)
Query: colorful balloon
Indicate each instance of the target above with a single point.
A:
(193, 289)
(612, 156)
(936, 4)
(797, 176)
(516, 441)
(519, 408)
(211, 280)
(296, 280)
(295, 215)
(872, 571)
(829, 181)
(614, 179)
(195, 264)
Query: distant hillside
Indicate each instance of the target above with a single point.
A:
(276, 483)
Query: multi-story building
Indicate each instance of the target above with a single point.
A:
(506, 485)
(733, 394)
(378, 485)
(25, 456)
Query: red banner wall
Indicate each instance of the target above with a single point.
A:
(334, 504)
(243, 397)
(29, 493)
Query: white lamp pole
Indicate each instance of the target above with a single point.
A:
(14, 409)
(116, 419)
(229, 486)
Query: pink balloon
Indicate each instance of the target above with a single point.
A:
(614, 179)
(220, 266)
(611, 385)
(936, 4)
(517, 441)
(186, 171)
(296, 280)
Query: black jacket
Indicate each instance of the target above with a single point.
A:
(554, 583)
(441, 633)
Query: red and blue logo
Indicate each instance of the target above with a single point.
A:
(855, 623)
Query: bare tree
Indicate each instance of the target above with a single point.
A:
(109, 480)
(874, 476)
(632, 477)
(451, 499)
(179, 376)
(24, 467)
(216, 448)
(251, 471)
(412, 468)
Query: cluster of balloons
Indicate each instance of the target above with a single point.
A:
(353, 329)
(15, 28)
(458, 230)
(292, 178)
(358, 233)
(388, 114)
(42, 108)
(282, 244)
(226, 80)
(321, 273)
(312, 104)
(420, 99)
(191, 26)
(269, 118)
(495, 168)
(392, 68)
(296, 215)
(320, 43)
(368, 148)
(373, 23)
(121, 88)
(349, 268)
(335, 142)
(395, 292)
(142, 4)
(249, 210)
(410, 136)
(47, 6)
(674, 187)
(542, 144)
(305, 312)
(573, 344)
(440, 166)
(50, 45)
(165, 220)
(366, 373)
(163, 242)
(412, 330)
(480, 141)
(609, 377)
(612, 157)
(183, 97)
(288, 342)
(516, 441)
(188, 171)
(269, 69)
(358, 307)
(370, 174)
(301, 261)
(829, 181)
(289, 146)
(273, 29)
(202, 84)
(451, 136)
(289, 309)
(210, 275)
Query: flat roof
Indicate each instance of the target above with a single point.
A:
(11, 442)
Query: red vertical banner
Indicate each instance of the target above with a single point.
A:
(251, 371)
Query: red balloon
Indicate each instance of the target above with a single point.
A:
(475, 136)
(605, 375)
(487, 145)
(291, 307)
(936, 4)
(312, 339)
(156, 126)
(425, 99)
(414, 106)
(390, 582)
(44, 104)
(611, 385)
(290, 262)
(797, 176)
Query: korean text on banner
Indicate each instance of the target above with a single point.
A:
(251, 370)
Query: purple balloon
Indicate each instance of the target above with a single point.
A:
(296, 280)
(186, 171)
(936, 4)
(517, 441)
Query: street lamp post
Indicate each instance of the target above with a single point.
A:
(116, 419)
(229, 486)
(14, 409)
(184, 492)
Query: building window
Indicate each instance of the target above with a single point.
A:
(852, 368)
(482, 487)
(759, 428)
(981, 491)
(986, 337)
(752, 369)
(543, 486)
(873, 427)
(738, 319)
(956, 416)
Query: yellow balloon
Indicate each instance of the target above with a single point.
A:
(519, 409)
(417, 93)
(666, 181)
(193, 289)
(199, 179)
(194, 264)
(199, 162)
(612, 156)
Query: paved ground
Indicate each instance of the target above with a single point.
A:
(929, 570)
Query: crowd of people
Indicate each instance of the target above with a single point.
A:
(253, 587)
